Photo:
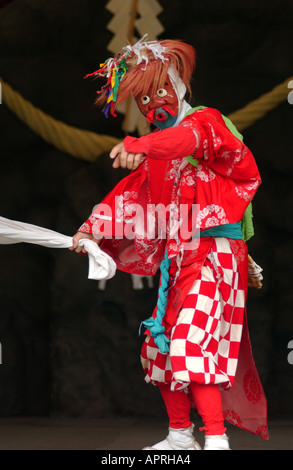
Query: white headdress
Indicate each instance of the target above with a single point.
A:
(154, 46)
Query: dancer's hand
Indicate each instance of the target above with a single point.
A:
(79, 236)
(125, 159)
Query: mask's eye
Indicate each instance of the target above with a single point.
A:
(145, 99)
(162, 92)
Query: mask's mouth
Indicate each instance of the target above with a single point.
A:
(162, 117)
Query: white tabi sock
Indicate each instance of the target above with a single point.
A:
(177, 439)
(220, 442)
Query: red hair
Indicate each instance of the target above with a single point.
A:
(139, 78)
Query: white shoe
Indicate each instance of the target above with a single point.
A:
(217, 443)
(177, 439)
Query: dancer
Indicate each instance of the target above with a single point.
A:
(183, 209)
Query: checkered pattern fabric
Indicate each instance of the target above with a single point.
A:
(205, 339)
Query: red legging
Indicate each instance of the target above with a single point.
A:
(207, 399)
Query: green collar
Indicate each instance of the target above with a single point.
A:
(246, 223)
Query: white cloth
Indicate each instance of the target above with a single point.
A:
(101, 265)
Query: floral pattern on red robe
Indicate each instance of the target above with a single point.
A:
(222, 185)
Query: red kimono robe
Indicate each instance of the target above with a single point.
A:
(142, 217)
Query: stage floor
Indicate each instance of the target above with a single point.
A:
(45, 433)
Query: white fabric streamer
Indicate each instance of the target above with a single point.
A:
(101, 265)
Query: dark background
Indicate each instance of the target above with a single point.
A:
(68, 347)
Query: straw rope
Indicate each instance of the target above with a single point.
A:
(257, 109)
(89, 146)
(76, 142)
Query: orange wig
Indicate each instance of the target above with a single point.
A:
(151, 73)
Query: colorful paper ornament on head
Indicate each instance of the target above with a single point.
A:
(138, 66)
(114, 70)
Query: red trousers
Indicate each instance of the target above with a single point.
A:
(207, 399)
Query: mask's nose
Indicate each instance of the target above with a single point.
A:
(161, 115)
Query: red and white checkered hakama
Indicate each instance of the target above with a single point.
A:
(205, 339)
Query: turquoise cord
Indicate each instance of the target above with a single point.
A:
(154, 325)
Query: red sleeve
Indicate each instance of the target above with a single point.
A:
(168, 144)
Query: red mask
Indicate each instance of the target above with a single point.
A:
(161, 107)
